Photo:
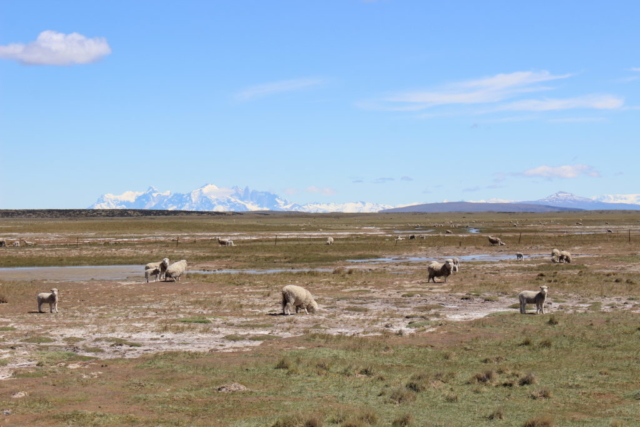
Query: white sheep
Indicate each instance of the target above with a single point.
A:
(519, 256)
(161, 266)
(48, 297)
(298, 297)
(565, 257)
(225, 242)
(437, 269)
(152, 272)
(496, 241)
(533, 297)
(175, 270)
(16, 243)
(329, 241)
(456, 264)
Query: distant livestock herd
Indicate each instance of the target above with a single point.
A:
(298, 298)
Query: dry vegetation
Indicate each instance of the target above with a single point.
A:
(387, 348)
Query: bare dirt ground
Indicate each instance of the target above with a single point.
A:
(126, 317)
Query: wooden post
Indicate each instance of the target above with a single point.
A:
(629, 235)
(520, 238)
(177, 241)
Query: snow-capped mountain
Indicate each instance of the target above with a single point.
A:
(355, 207)
(213, 198)
(568, 200)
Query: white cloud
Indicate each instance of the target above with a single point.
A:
(635, 69)
(406, 178)
(326, 191)
(580, 120)
(564, 172)
(53, 48)
(267, 89)
(481, 91)
(598, 102)
(291, 191)
(383, 180)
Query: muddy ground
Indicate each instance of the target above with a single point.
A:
(110, 312)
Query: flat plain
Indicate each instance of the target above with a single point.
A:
(386, 347)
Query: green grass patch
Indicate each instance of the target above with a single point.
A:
(195, 320)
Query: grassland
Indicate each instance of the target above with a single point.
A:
(387, 348)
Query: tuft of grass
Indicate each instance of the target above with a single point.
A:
(7, 328)
(404, 421)
(498, 414)
(402, 395)
(38, 340)
(195, 320)
(528, 379)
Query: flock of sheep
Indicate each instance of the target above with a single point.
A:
(300, 298)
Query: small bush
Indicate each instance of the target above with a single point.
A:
(528, 379)
(403, 421)
(545, 344)
(526, 341)
(553, 320)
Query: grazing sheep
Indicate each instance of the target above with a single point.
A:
(298, 297)
(152, 272)
(399, 239)
(3, 243)
(555, 255)
(16, 243)
(533, 297)
(565, 257)
(412, 237)
(519, 256)
(49, 297)
(161, 266)
(609, 231)
(28, 243)
(225, 242)
(329, 241)
(437, 269)
(175, 270)
(448, 232)
(495, 241)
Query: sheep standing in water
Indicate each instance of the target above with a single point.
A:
(519, 256)
(298, 297)
(437, 269)
(50, 298)
(176, 270)
(495, 241)
(329, 241)
(533, 297)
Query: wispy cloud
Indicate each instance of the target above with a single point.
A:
(291, 191)
(325, 191)
(471, 189)
(406, 178)
(274, 88)
(53, 48)
(481, 91)
(563, 172)
(383, 180)
(598, 102)
(501, 92)
(635, 69)
(580, 120)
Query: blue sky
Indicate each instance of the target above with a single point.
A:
(387, 101)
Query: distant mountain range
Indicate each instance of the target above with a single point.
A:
(212, 198)
(479, 207)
